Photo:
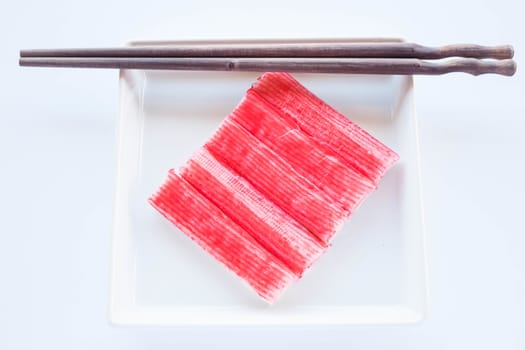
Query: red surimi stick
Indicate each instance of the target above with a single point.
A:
(242, 152)
(278, 131)
(356, 147)
(222, 238)
(268, 224)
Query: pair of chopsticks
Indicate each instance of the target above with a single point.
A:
(346, 57)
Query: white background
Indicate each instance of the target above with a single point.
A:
(57, 152)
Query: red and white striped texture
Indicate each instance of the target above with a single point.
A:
(345, 187)
(268, 191)
(275, 230)
(356, 147)
(221, 237)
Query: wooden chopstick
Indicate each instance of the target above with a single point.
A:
(266, 41)
(401, 66)
(295, 49)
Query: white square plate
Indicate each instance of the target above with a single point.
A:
(373, 274)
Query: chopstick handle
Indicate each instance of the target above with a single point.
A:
(402, 66)
(464, 50)
(469, 65)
